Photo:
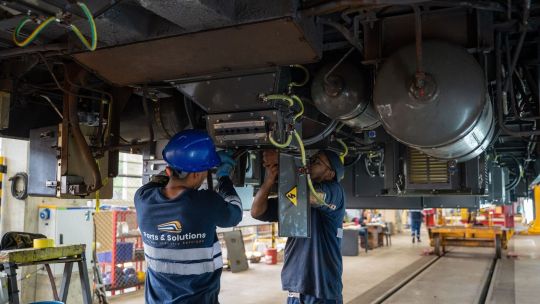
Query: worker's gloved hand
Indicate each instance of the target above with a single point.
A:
(227, 163)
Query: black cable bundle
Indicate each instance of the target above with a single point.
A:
(23, 193)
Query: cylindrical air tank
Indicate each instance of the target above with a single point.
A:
(343, 94)
(450, 116)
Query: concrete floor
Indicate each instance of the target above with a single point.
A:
(262, 282)
(516, 279)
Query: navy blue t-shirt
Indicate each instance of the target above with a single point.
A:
(416, 215)
(180, 241)
(313, 266)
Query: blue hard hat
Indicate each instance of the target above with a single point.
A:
(336, 163)
(191, 151)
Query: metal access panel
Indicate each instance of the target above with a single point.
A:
(239, 93)
(236, 48)
(244, 129)
(293, 198)
(5, 102)
(357, 182)
(45, 177)
(497, 184)
(43, 162)
(236, 252)
(365, 192)
(451, 201)
(476, 175)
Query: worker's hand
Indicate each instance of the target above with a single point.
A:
(160, 178)
(270, 158)
(227, 163)
(272, 173)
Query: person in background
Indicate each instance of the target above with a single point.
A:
(416, 217)
(313, 266)
(377, 218)
(366, 217)
(178, 222)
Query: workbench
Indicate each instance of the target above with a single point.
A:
(10, 260)
(469, 236)
(375, 235)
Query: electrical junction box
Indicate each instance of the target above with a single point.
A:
(245, 129)
(293, 198)
(67, 226)
(57, 169)
(497, 185)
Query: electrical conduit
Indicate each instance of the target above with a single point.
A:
(298, 139)
(89, 45)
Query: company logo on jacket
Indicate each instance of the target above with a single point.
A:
(173, 232)
(172, 227)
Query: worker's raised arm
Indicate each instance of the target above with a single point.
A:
(229, 211)
(260, 201)
(261, 208)
(331, 193)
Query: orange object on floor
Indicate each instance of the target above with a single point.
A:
(430, 217)
(271, 256)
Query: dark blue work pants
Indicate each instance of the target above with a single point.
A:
(306, 299)
(415, 228)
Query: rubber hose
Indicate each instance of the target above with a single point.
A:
(327, 131)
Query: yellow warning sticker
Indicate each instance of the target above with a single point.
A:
(292, 196)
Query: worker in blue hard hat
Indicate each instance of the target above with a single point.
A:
(178, 222)
(313, 266)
